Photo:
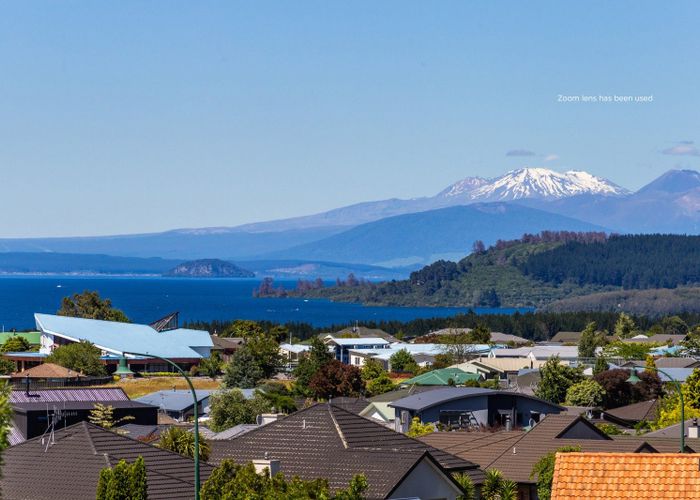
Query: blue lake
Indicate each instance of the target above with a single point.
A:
(147, 299)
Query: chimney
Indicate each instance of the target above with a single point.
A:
(272, 467)
(693, 429)
(267, 418)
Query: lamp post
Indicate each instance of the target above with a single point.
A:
(196, 413)
(634, 379)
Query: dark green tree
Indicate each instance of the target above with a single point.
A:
(90, 305)
(124, 481)
(543, 471)
(211, 366)
(555, 380)
(673, 325)
(402, 361)
(82, 357)
(229, 408)
(244, 370)
(590, 339)
(309, 364)
(15, 344)
(480, 334)
(600, 366)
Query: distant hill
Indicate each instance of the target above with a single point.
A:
(208, 268)
(65, 263)
(420, 238)
(656, 302)
(539, 270)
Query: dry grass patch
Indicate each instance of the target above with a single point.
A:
(137, 387)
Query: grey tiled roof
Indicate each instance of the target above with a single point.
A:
(60, 395)
(69, 469)
(324, 441)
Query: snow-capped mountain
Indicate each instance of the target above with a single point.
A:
(537, 183)
(465, 186)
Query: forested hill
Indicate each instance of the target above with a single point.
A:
(538, 269)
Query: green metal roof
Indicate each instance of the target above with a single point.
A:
(32, 337)
(442, 377)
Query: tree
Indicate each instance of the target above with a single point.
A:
(380, 385)
(232, 481)
(181, 441)
(691, 389)
(650, 364)
(311, 363)
(5, 417)
(372, 369)
(625, 327)
(244, 328)
(673, 325)
(418, 429)
(229, 408)
(336, 379)
(600, 366)
(243, 371)
(590, 339)
(496, 487)
(480, 334)
(103, 416)
(585, 393)
(555, 380)
(278, 396)
(628, 350)
(402, 361)
(123, 482)
(82, 357)
(15, 344)
(465, 482)
(619, 392)
(90, 305)
(544, 471)
(211, 366)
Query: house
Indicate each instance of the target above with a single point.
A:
(325, 441)
(514, 453)
(423, 354)
(292, 353)
(630, 415)
(443, 376)
(625, 475)
(47, 372)
(501, 368)
(538, 352)
(358, 331)
(177, 404)
(36, 412)
(225, 346)
(341, 346)
(496, 337)
(690, 428)
(66, 466)
(184, 346)
(567, 337)
(660, 338)
(471, 408)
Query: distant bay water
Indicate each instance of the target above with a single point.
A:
(147, 299)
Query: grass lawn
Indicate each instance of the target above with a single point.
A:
(137, 387)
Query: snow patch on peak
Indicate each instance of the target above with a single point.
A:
(533, 182)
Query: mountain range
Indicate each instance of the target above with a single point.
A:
(412, 232)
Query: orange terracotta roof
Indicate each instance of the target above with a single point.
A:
(47, 370)
(626, 475)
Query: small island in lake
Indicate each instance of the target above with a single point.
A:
(208, 268)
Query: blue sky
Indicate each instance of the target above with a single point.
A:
(122, 117)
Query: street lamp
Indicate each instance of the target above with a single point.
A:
(196, 412)
(634, 379)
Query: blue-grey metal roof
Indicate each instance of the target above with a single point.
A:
(178, 400)
(127, 337)
(425, 400)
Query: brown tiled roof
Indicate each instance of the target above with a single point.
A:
(671, 362)
(226, 342)
(69, 468)
(324, 441)
(636, 412)
(47, 370)
(514, 453)
(625, 475)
